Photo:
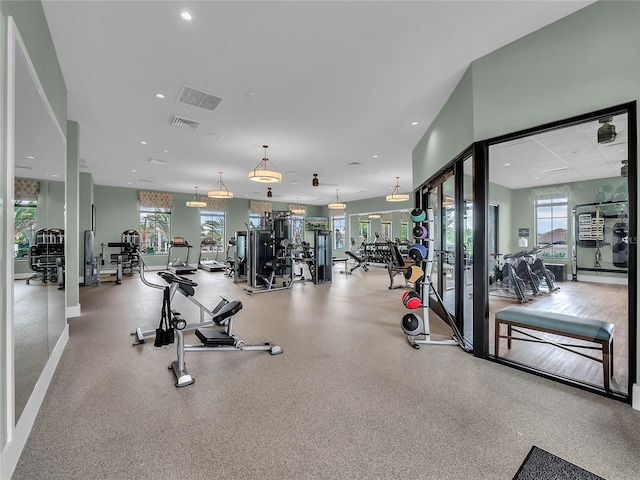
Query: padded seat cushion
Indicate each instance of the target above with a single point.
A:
(213, 337)
(584, 327)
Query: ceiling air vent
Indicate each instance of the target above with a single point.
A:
(199, 99)
(184, 122)
(142, 180)
(158, 161)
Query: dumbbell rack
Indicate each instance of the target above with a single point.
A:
(417, 328)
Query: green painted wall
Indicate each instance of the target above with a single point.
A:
(582, 63)
(449, 134)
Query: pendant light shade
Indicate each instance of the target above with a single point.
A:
(298, 209)
(337, 204)
(195, 202)
(221, 192)
(262, 173)
(396, 196)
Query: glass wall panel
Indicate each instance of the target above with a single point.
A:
(563, 198)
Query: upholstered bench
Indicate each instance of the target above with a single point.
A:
(587, 329)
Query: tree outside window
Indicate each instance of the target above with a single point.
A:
(24, 227)
(155, 230)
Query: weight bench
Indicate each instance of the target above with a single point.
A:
(397, 265)
(360, 262)
(589, 330)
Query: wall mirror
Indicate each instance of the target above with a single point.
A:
(37, 155)
(379, 226)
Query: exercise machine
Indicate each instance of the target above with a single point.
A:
(593, 249)
(505, 282)
(216, 333)
(125, 262)
(240, 258)
(416, 327)
(46, 257)
(359, 261)
(176, 264)
(175, 286)
(207, 247)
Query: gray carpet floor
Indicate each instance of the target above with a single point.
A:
(349, 398)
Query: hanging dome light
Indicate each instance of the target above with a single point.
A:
(337, 204)
(221, 192)
(195, 202)
(262, 174)
(298, 209)
(396, 196)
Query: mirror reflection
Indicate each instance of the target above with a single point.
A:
(39, 165)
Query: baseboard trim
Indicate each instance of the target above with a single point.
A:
(635, 396)
(13, 449)
(73, 311)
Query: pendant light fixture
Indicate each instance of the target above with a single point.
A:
(195, 202)
(315, 181)
(269, 192)
(262, 174)
(396, 196)
(222, 190)
(337, 204)
(297, 208)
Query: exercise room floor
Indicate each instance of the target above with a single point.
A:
(349, 398)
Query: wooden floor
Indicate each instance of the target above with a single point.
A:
(583, 299)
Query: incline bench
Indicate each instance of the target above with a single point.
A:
(590, 330)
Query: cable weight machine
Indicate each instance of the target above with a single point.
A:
(416, 327)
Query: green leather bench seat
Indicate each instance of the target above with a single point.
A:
(587, 329)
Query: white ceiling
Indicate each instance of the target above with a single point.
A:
(569, 154)
(324, 84)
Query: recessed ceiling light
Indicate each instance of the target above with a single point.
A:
(186, 15)
(30, 157)
(622, 150)
(375, 156)
(134, 170)
(159, 95)
(507, 164)
(143, 142)
(414, 123)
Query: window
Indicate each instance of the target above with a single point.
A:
(551, 226)
(24, 227)
(386, 232)
(297, 229)
(338, 233)
(212, 226)
(404, 232)
(155, 230)
(364, 231)
(255, 220)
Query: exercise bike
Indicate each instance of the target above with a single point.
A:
(506, 281)
(540, 269)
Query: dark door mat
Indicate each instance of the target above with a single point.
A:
(542, 465)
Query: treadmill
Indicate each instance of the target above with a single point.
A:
(205, 262)
(175, 264)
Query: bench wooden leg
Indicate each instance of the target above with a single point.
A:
(509, 335)
(606, 363)
(496, 339)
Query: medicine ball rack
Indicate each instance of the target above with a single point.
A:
(417, 328)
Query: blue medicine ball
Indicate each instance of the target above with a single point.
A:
(418, 252)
